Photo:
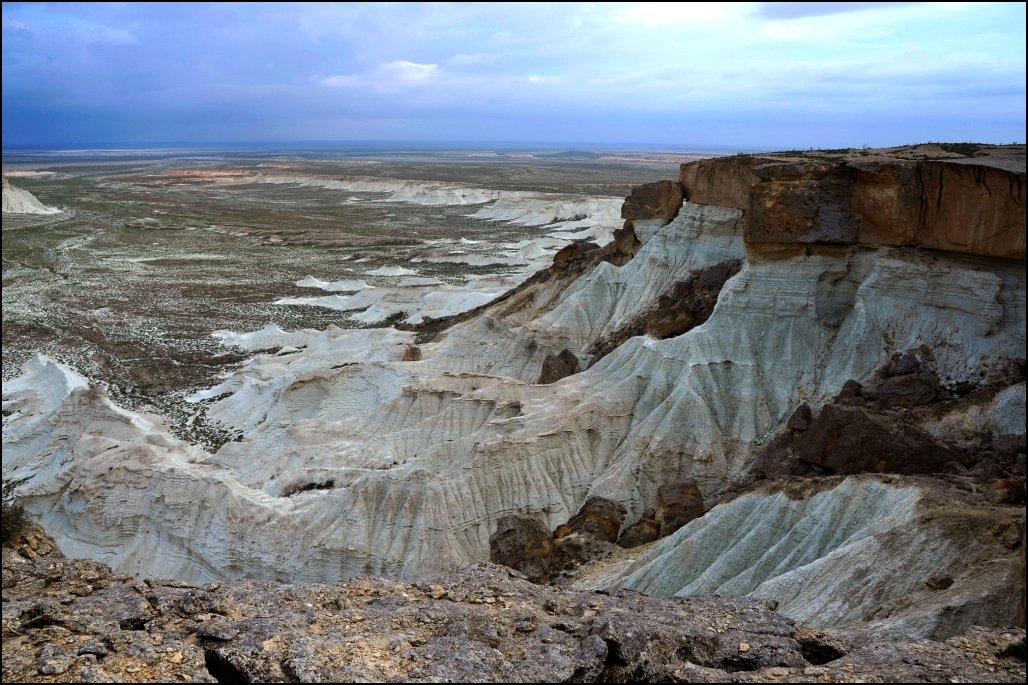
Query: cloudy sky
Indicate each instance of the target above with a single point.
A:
(759, 75)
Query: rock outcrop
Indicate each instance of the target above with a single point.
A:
(641, 532)
(600, 517)
(558, 366)
(481, 624)
(677, 505)
(524, 544)
(967, 205)
(660, 200)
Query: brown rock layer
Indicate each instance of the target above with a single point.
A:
(599, 517)
(969, 206)
(677, 504)
(522, 543)
(660, 200)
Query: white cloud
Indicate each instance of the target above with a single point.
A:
(389, 77)
(340, 81)
(544, 79)
(402, 70)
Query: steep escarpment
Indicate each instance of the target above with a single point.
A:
(687, 346)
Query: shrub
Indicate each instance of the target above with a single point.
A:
(14, 518)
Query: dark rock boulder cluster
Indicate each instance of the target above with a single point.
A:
(879, 429)
(594, 533)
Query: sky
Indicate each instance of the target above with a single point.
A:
(742, 75)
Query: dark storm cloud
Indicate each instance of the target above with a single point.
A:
(671, 73)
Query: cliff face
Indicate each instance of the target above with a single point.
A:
(956, 205)
(714, 325)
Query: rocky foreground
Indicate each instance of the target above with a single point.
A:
(73, 620)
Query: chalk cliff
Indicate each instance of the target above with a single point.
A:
(699, 331)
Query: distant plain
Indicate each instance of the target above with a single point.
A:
(150, 256)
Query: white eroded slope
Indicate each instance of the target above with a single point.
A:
(843, 555)
(355, 462)
(21, 201)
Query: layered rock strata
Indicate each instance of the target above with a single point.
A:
(352, 461)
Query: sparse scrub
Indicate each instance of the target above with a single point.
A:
(297, 488)
(967, 149)
(15, 519)
(576, 217)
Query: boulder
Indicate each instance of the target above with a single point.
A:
(902, 365)
(626, 244)
(639, 533)
(522, 543)
(600, 518)
(847, 439)
(660, 200)
(557, 366)
(908, 390)
(677, 504)
(668, 322)
(575, 252)
(800, 419)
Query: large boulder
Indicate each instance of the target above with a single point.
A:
(522, 543)
(850, 439)
(660, 200)
(909, 390)
(573, 254)
(600, 518)
(557, 366)
(677, 504)
(639, 533)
